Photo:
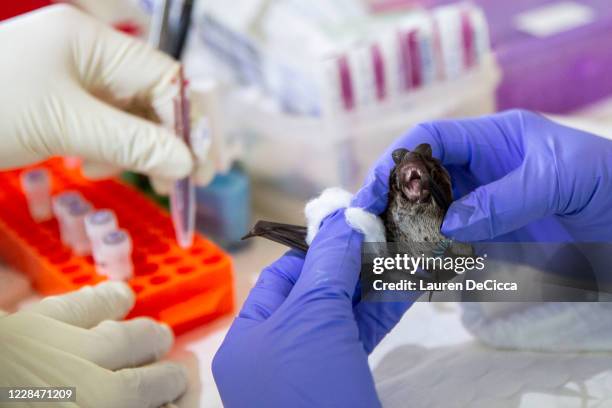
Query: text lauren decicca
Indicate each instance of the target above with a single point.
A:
(468, 284)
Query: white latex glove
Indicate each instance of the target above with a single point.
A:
(68, 83)
(68, 341)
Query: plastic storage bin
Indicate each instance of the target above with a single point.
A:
(319, 114)
(343, 65)
(302, 155)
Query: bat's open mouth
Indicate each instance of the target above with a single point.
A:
(415, 183)
(414, 176)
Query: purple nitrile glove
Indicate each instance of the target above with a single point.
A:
(517, 175)
(299, 341)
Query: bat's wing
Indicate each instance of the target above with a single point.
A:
(293, 236)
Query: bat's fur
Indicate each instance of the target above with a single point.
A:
(416, 220)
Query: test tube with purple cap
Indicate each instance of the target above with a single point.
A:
(115, 250)
(97, 225)
(74, 223)
(60, 204)
(36, 185)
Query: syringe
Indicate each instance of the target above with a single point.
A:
(36, 184)
(182, 195)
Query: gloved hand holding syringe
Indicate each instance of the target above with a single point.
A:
(72, 92)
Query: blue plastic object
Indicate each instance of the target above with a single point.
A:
(224, 208)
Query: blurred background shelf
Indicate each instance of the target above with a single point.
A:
(303, 155)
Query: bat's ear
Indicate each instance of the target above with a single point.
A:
(424, 149)
(398, 155)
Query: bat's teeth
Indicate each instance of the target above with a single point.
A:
(414, 174)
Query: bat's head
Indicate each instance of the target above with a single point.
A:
(421, 178)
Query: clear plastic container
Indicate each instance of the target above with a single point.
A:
(319, 112)
(302, 155)
(348, 64)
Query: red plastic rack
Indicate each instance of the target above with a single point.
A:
(183, 288)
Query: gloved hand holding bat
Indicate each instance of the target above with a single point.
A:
(517, 176)
(299, 339)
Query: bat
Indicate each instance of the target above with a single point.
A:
(420, 192)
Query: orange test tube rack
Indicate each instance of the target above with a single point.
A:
(181, 287)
